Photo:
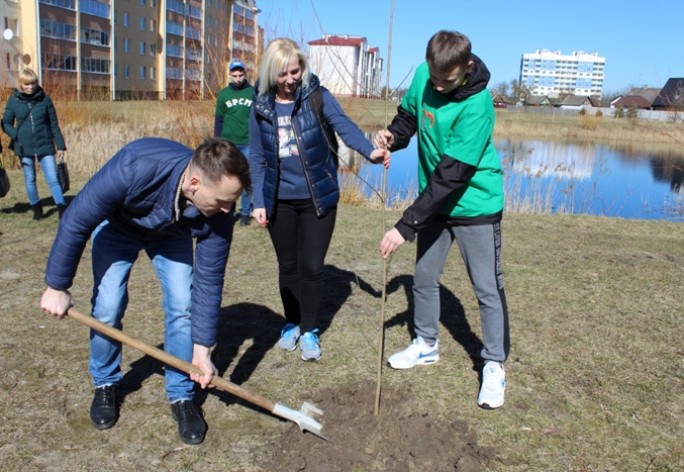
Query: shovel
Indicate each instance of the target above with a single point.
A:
(301, 417)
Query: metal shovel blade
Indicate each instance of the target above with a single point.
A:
(302, 418)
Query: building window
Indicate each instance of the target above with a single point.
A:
(153, 73)
(142, 2)
(143, 48)
(153, 25)
(142, 23)
(99, 66)
(126, 19)
(70, 4)
(59, 62)
(127, 71)
(176, 6)
(153, 49)
(94, 36)
(174, 28)
(54, 29)
(126, 45)
(13, 24)
(95, 8)
(174, 50)
(143, 72)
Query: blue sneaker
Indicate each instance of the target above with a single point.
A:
(288, 337)
(310, 346)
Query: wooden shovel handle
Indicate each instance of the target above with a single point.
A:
(167, 358)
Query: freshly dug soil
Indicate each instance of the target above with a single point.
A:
(394, 440)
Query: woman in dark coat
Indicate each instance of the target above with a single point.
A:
(30, 120)
(293, 163)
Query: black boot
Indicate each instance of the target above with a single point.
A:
(191, 426)
(104, 411)
(37, 211)
(60, 210)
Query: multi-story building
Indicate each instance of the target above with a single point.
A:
(552, 73)
(125, 49)
(347, 65)
(15, 52)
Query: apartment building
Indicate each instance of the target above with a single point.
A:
(129, 49)
(347, 65)
(553, 73)
(15, 53)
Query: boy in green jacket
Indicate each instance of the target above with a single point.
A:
(461, 198)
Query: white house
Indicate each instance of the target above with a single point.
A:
(347, 65)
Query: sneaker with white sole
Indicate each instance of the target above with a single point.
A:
(289, 337)
(493, 386)
(419, 352)
(310, 346)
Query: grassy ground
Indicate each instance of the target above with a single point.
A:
(595, 376)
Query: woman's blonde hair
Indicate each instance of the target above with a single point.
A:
(276, 57)
(27, 76)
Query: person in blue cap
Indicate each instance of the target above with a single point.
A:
(231, 122)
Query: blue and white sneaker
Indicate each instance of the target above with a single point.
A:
(419, 352)
(310, 346)
(493, 386)
(289, 337)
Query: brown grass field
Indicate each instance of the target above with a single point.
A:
(595, 377)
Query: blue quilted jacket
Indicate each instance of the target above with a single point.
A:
(135, 190)
(319, 162)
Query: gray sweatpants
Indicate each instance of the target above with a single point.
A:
(481, 251)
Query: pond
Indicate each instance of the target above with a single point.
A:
(551, 177)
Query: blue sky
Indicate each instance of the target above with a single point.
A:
(641, 41)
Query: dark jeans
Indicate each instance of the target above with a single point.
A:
(301, 240)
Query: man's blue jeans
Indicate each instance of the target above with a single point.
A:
(246, 200)
(49, 167)
(113, 255)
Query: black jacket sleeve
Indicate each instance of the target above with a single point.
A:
(403, 126)
(218, 126)
(449, 178)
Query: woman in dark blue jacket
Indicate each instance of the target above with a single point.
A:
(30, 120)
(293, 162)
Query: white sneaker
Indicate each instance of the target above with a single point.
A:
(288, 337)
(493, 386)
(418, 353)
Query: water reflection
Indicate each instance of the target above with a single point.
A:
(666, 169)
(548, 159)
(553, 177)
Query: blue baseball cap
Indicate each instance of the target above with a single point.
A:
(236, 65)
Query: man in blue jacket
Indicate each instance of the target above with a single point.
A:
(154, 195)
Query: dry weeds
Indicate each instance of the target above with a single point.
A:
(595, 374)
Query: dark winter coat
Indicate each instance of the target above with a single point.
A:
(319, 161)
(136, 192)
(31, 123)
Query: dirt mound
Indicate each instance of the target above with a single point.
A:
(394, 440)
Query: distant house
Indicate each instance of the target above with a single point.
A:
(631, 101)
(502, 101)
(649, 93)
(538, 101)
(576, 102)
(671, 97)
(346, 65)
